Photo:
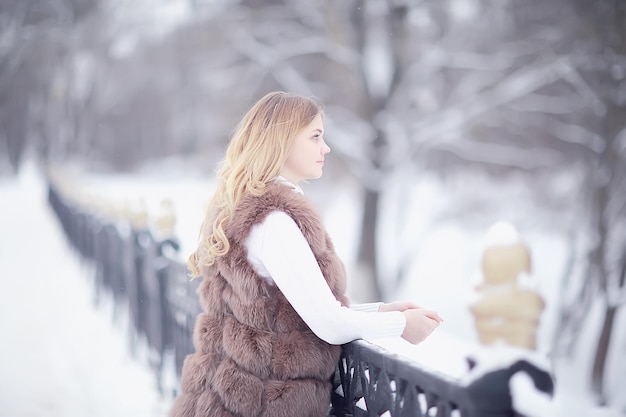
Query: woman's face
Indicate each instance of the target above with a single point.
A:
(306, 159)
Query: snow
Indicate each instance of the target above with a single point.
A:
(65, 355)
(440, 353)
(60, 354)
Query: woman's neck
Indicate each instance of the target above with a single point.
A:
(282, 180)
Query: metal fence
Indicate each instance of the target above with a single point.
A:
(143, 274)
(146, 278)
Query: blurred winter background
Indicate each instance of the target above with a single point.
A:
(444, 116)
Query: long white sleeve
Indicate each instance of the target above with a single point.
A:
(367, 307)
(279, 252)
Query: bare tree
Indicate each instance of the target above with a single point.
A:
(607, 260)
(35, 36)
(406, 84)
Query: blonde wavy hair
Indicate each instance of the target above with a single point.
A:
(254, 158)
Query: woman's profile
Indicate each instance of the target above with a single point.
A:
(272, 290)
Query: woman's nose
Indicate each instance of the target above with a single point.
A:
(325, 149)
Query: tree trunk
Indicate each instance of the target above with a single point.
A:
(368, 290)
(599, 363)
(599, 274)
(611, 14)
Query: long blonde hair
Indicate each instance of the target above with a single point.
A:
(255, 155)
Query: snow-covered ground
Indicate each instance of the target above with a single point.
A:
(60, 355)
(64, 356)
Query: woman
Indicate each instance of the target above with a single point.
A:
(273, 289)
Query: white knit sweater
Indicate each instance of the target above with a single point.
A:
(279, 252)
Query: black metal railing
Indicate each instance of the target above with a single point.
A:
(148, 280)
(144, 276)
(371, 381)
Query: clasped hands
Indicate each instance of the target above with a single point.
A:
(420, 322)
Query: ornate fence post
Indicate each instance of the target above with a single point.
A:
(166, 248)
(182, 306)
(508, 308)
(507, 311)
(142, 240)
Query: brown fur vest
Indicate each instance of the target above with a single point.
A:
(254, 355)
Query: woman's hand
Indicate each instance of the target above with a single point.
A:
(397, 306)
(420, 324)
